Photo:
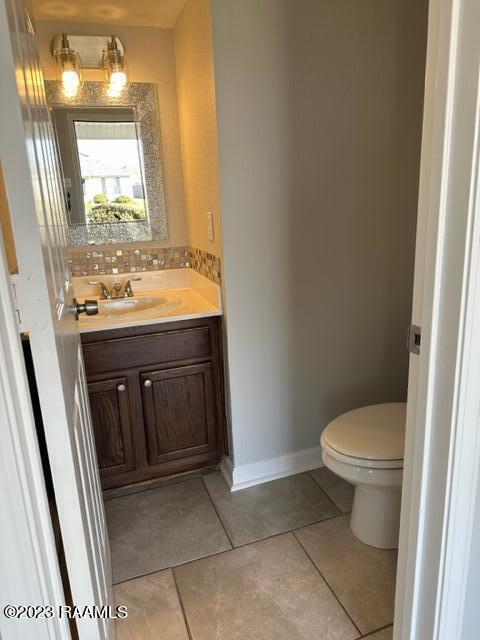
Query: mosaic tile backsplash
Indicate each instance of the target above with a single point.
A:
(206, 264)
(84, 262)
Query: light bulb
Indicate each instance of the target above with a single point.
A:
(118, 78)
(70, 83)
(114, 63)
(68, 68)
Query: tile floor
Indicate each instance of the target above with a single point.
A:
(193, 561)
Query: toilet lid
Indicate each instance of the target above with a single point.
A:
(376, 432)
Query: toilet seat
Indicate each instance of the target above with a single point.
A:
(371, 437)
(361, 462)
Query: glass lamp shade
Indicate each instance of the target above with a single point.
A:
(68, 67)
(115, 67)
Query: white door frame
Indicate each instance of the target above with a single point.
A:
(29, 571)
(442, 456)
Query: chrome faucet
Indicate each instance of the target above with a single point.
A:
(116, 290)
(128, 290)
(106, 293)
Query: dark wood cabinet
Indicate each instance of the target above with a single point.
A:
(180, 415)
(112, 425)
(156, 398)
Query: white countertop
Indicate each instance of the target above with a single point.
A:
(183, 294)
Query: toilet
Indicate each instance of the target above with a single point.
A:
(365, 447)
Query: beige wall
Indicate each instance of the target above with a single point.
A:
(319, 122)
(198, 127)
(151, 58)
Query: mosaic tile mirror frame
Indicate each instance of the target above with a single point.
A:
(142, 99)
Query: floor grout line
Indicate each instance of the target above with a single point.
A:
(291, 530)
(233, 546)
(218, 514)
(371, 633)
(328, 585)
(182, 606)
(240, 546)
(326, 492)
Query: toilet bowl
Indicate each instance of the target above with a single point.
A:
(365, 447)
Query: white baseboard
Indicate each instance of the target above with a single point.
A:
(248, 475)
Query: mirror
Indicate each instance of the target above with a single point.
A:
(111, 161)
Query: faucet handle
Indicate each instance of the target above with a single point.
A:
(105, 292)
(128, 291)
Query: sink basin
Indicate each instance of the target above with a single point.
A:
(124, 308)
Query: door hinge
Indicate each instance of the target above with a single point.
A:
(15, 300)
(414, 339)
(31, 309)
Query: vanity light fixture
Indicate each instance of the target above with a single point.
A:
(72, 53)
(115, 66)
(68, 68)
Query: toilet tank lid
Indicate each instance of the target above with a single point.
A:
(376, 432)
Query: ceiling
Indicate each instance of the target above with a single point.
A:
(133, 13)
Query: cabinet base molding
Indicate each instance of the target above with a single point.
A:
(139, 487)
(249, 475)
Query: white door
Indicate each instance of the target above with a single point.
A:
(45, 307)
(442, 448)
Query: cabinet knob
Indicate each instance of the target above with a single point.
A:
(147, 383)
(121, 387)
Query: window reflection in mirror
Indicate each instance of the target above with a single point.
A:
(110, 171)
(102, 165)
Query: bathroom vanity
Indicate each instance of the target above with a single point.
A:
(155, 378)
(153, 355)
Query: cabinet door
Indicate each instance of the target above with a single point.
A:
(112, 425)
(180, 412)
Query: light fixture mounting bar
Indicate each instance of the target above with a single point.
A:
(90, 48)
